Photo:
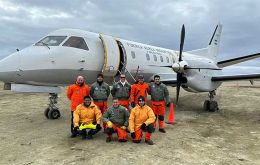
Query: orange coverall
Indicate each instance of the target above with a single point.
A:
(76, 94)
(138, 90)
(138, 116)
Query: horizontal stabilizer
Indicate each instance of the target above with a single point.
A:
(237, 60)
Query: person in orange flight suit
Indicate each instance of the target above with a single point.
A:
(141, 120)
(87, 113)
(76, 93)
(139, 89)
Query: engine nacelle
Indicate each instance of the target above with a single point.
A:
(179, 66)
(199, 80)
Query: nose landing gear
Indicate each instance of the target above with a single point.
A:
(52, 111)
(211, 105)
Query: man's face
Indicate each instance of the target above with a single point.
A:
(87, 102)
(100, 79)
(157, 80)
(141, 103)
(141, 80)
(122, 78)
(80, 80)
(115, 103)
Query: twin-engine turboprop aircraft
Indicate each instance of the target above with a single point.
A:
(60, 56)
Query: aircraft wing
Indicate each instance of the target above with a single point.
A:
(233, 73)
(236, 77)
(237, 60)
(169, 82)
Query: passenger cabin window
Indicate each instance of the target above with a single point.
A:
(51, 41)
(167, 59)
(154, 57)
(76, 42)
(148, 57)
(133, 54)
(161, 58)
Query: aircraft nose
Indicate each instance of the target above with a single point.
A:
(8, 67)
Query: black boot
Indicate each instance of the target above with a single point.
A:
(83, 134)
(162, 130)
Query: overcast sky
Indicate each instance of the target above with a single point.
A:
(155, 22)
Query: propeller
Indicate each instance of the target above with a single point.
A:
(179, 75)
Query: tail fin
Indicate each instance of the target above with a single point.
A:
(213, 48)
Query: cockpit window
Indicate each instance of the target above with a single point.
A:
(51, 41)
(76, 42)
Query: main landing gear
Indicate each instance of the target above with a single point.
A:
(52, 111)
(211, 105)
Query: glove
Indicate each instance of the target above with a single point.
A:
(133, 135)
(75, 129)
(98, 127)
(143, 127)
(123, 127)
(168, 104)
(109, 124)
(132, 104)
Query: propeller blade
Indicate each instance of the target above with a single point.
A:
(179, 75)
(182, 41)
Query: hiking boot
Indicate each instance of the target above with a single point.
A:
(89, 137)
(83, 137)
(136, 141)
(73, 135)
(108, 139)
(162, 130)
(149, 142)
(122, 140)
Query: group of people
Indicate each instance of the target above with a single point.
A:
(89, 108)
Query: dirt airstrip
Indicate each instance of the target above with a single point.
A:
(230, 136)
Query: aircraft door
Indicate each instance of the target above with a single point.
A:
(111, 55)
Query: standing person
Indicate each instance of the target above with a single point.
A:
(141, 120)
(116, 119)
(100, 91)
(121, 91)
(76, 93)
(159, 98)
(86, 114)
(138, 89)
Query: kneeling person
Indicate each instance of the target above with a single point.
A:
(87, 116)
(141, 120)
(116, 119)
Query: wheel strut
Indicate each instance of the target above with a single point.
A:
(52, 111)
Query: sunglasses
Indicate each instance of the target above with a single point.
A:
(122, 77)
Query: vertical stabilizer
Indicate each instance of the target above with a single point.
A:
(213, 47)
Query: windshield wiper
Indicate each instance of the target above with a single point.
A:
(45, 44)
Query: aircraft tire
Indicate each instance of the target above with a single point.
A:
(206, 105)
(213, 106)
(46, 112)
(54, 114)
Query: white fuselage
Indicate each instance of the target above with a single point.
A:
(60, 65)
